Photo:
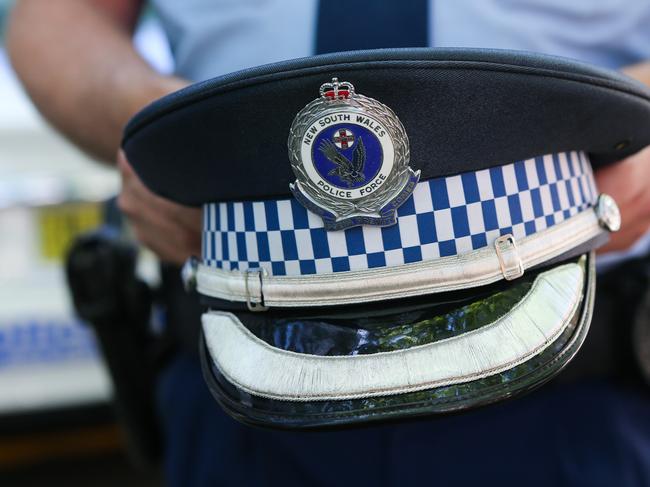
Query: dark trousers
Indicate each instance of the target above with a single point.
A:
(591, 433)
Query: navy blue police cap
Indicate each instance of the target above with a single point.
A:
(391, 233)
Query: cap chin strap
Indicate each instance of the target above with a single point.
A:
(533, 324)
(506, 259)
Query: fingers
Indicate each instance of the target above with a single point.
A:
(170, 230)
(625, 238)
(627, 182)
(169, 246)
(140, 200)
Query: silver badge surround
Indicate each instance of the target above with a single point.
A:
(379, 207)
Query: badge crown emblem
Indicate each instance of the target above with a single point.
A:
(336, 90)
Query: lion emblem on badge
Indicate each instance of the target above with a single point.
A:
(350, 155)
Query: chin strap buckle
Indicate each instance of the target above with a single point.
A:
(255, 274)
(509, 259)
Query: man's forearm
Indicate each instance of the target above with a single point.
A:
(76, 59)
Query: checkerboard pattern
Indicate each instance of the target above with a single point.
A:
(444, 216)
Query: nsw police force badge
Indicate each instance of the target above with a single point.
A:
(350, 155)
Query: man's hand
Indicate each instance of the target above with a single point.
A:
(172, 231)
(628, 182)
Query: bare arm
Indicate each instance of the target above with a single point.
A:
(77, 62)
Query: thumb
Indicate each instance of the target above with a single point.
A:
(123, 165)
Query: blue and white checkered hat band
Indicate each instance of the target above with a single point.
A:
(444, 216)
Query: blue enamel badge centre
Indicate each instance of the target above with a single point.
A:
(350, 155)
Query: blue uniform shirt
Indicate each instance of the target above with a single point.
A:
(213, 37)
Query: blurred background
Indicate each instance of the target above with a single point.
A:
(56, 423)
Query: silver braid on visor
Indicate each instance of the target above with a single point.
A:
(533, 324)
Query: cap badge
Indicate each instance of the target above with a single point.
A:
(350, 155)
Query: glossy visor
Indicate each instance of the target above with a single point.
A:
(419, 357)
